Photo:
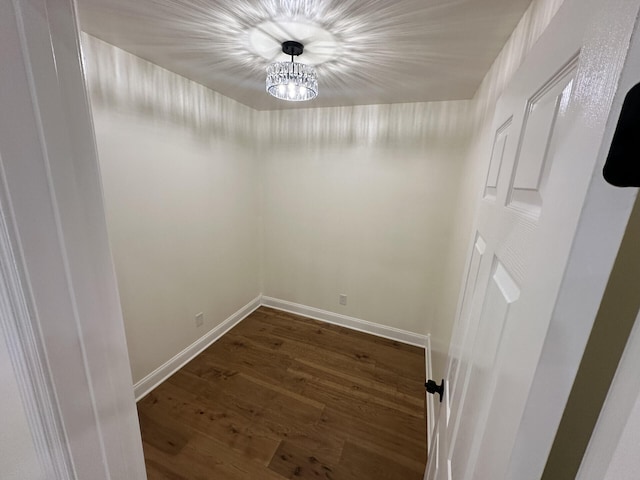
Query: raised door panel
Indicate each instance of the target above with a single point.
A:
(479, 384)
(465, 331)
(495, 164)
(532, 166)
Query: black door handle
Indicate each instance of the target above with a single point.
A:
(433, 388)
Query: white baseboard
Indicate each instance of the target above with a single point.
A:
(167, 369)
(348, 322)
(430, 398)
(160, 374)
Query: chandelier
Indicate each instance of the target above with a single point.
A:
(292, 81)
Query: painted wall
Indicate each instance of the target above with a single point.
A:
(358, 201)
(181, 197)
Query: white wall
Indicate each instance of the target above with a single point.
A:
(359, 201)
(181, 196)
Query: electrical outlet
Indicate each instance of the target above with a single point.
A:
(343, 299)
(199, 319)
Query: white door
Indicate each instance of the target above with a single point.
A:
(548, 127)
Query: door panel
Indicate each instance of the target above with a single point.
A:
(532, 166)
(460, 356)
(536, 185)
(497, 154)
(501, 292)
(458, 364)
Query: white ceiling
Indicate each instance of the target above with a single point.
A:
(366, 51)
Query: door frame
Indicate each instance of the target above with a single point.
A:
(61, 315)
(611, 450)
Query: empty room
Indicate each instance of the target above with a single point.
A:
(347, 240)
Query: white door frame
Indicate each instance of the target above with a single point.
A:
(596, 243)
(61, 317)
(612, 450)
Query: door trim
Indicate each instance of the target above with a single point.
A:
(64, 325)
(18, 328)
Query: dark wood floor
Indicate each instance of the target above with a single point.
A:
(282, 396)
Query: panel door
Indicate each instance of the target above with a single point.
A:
(534, 191)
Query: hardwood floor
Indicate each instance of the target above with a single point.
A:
(281, 396)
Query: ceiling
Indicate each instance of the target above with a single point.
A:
(366, 51)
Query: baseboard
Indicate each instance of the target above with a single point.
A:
(160, 374)
(430, 398)
(163, 372)
(391, 333)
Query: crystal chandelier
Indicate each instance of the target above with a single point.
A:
(292, 81)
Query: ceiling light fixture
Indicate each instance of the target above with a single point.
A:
(292, 81)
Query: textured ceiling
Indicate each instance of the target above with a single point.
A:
(366, 51)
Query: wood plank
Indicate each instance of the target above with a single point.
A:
(395, 442)
(205, 459)
(291, 460)
(278, 412)
(352, 388)
(235, 431)
(377, 360)
(385, 418)
(358, 463)
(281, 396)
(362, 346)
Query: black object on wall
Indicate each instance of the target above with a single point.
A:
(622, 168)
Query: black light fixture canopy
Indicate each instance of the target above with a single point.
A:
(292, 48)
